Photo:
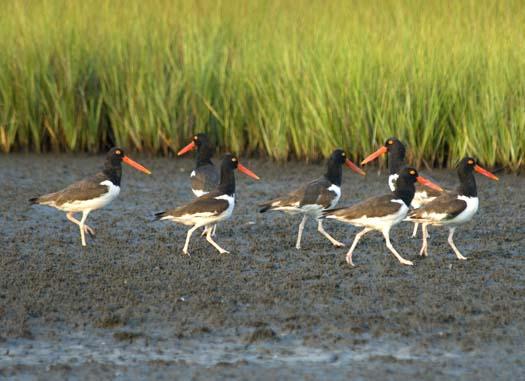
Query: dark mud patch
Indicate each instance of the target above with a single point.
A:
(68, 310)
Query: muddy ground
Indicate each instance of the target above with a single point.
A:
(130, 306)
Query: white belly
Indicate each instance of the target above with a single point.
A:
(467, 214)
(94, 203)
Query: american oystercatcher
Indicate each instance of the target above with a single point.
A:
(396, 160)
(316, 196)
(205, 177)
(211, 207)
(91, 193)
(452, 208)
(382, 212)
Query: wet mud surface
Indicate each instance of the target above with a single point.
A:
(131, 306)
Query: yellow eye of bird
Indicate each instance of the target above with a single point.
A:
(412, 172)
(390, 142)
(234, 159)
(117, 152)
(195, 137)
(471, 161)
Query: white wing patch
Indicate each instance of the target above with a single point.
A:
(199, 192)
(420, 199)
(192, 174)
(337, 190)
(392, 180)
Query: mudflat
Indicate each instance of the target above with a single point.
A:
(131, 306)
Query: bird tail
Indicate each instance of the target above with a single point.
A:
(330, 213)
(34, 200)
(265, 207)
(273, 204)
(160, 215)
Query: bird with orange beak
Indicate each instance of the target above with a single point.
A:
(318, 195)
(395, 150)
(91, 193)
(212, 207)
(454, 208)
(381, 213)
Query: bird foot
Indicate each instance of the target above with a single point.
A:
(349, 261)
(406, 262)
(185, 252)
(224, 251)
(338, 244)
(462, 258)
(90, 231)
(298, 247)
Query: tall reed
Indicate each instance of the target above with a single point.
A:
(284, 78)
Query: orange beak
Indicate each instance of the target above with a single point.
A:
(375, 155)
(246, 171)
(484, 172)
(136, 165)
(188, 148)
(354, 167)
(428, 183)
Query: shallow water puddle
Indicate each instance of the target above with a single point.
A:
(77, 348)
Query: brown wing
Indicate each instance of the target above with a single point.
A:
(86, 189)
(291, 199)
(444, 207)
(315, 192)
(204, 204)
(206, 178)
(373, 207)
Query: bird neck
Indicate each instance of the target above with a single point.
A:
(227, 183)
(396, 159)
(334, 172)
(113, 172)
(467, 184)
(405, 190)
(204, 155)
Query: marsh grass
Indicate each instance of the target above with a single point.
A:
(278, 77)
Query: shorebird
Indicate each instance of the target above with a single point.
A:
(91, 193)
(318, 195)
(212, 207)
(396, 161)
(381, 212)
(205, 177)
(452, 208)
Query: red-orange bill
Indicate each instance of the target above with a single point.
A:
(246, 171)
(136, 165)
(375, 155)
(354, 167)
(428, 183)
(188, 148)
(484, 172)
